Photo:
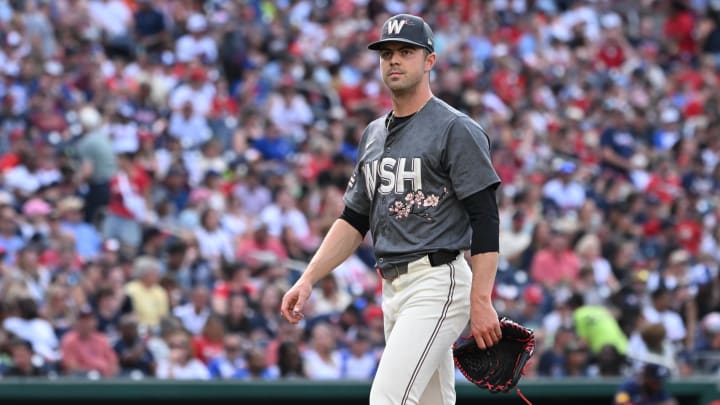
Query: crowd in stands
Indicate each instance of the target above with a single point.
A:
(168, 167)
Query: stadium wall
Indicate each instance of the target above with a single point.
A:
(693, 391)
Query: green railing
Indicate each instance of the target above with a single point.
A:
(693, 391)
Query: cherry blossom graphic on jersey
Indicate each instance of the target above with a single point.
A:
(416, 203)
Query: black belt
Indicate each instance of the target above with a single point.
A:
(391, 271)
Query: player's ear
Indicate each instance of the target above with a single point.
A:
(429, 61)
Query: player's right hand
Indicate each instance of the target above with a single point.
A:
(294, 300)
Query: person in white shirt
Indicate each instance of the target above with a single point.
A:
(197, 90)
(284, 213)
(289, 110)
(322, 361)
(197, 44)
(112, 16)
(124, 131)
(659, 311)
(180, 363)
(214, 242)
(359, 362)
(514, 240)
(255, 196)
(195, 313)
(589, 251)
(28, 325)
(189, 127)
(563, 190)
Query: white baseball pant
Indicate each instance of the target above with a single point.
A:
(425, 311)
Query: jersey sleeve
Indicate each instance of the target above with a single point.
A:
(468, 158)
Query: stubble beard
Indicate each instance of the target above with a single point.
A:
(404, 86)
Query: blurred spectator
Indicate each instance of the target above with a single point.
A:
(231, 363)
(127, 208)
(26, 323)
(253, 193)
(556, 264)
(551, 362)
(266, 318)
(648, 386)
(589, 251)
(149, 299)
(195, 312)
(236, 280)
(258, 367)
(86, 352)
(287, 333)
(531, 308)
(610, 363)
(10, 239)
(22, 361)
(132, 352)
(59, 308)
(290, 361)
(214, 242)
(150, 28)
(110, 306)
(659, 311)
(31, 277)
(708, 344)
(577, 361)
(86, 236)
(330, 299)
(564, 191)
(597, 326)
(514, 239)
(180, 363)
(259, 248)
(650, 344)
(189, 126)
(97, 162)
(238, 316)
(359, 361)
(197, 44)
(288, 110)
(208, 344)
(322, 360)
(284, 213)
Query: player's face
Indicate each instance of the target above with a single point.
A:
(404, 66)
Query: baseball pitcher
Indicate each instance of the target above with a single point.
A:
(424, 185)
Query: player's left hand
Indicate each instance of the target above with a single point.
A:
(484, 323)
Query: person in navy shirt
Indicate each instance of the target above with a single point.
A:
(647, 388)
(617, 144)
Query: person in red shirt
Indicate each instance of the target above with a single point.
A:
(236, 282)
(86, 351)
(210, 342)
(556, 264)
(128, 207)
(260, 248)
(665, 184)
(679, 29)
(688, 231)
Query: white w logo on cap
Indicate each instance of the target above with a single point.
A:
(395, 26)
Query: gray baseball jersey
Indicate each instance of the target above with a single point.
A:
(411, 179)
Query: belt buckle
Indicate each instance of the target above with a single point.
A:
(390, 273)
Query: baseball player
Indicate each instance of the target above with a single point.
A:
(425, 187)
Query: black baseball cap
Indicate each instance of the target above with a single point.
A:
(405, 28)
